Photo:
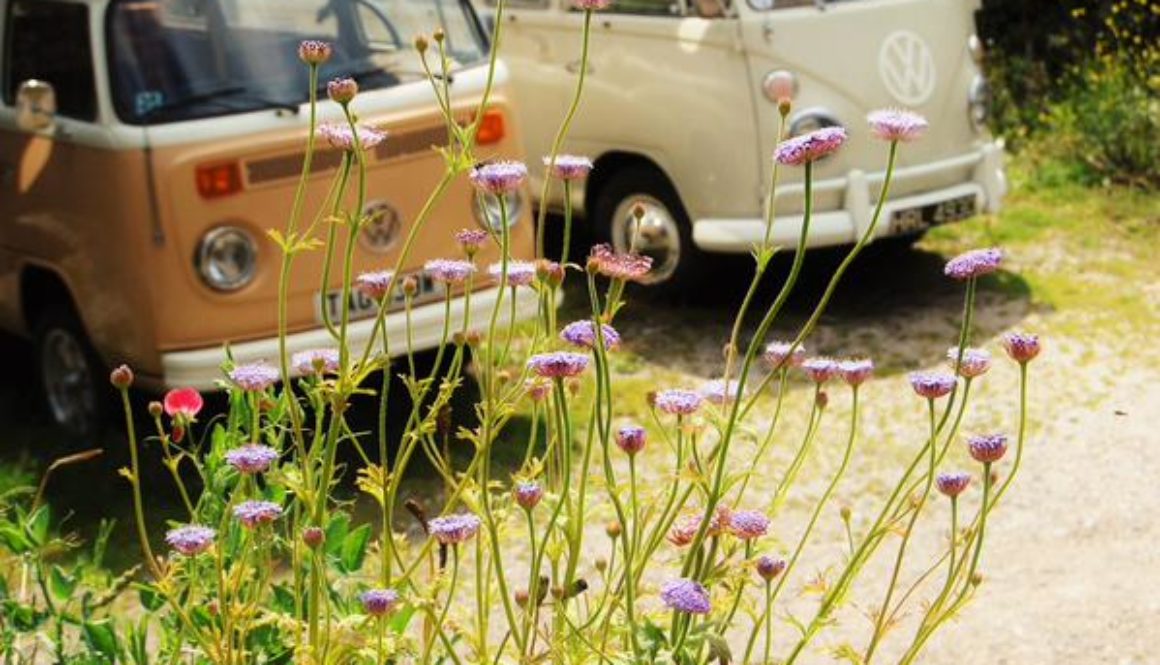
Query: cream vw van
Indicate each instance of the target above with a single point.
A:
(147, 145)
(678, 114)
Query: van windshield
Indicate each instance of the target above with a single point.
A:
(174, 60)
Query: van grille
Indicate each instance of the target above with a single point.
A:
(397, 145)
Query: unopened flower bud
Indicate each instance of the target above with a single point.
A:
(601, 564)
(846, 513)
(593, 265)
(121, 377)
(314, 52)
(156, 409)
(342, 90)
(438, 35)
(784, 106)
(976, 579)
(474, 337)
(420, 43)
(313, 536)
(613, 529)
(410, 286)
(573, 386)
(769, 567)
(504, 375)
(822, 399)
(521, 597)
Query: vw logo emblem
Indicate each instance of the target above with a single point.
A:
(381, 224)
(907, 68)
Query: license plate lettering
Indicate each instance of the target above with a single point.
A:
(914, 220)
(360, 306)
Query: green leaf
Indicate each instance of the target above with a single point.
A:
(13, 539)
(37, 525)
(61, 584)
(354, 549)
(99, 635)
(151, 598)
(336, 533)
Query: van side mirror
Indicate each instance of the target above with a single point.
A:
(36, 106)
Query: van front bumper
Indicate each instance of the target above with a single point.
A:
(202, 368)
(988, 184)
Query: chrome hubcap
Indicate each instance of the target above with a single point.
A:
(68, 381)
(655, 235)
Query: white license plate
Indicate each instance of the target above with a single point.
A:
(362, 307)
(920, 218)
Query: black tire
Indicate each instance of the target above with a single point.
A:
(674, 275)
(73, 381)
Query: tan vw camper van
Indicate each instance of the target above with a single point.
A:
(147, 145)
(679, 114)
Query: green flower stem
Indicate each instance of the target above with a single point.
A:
(567, 222)
(783, 376)
(135, 482)
(795, 466)
(764, 621)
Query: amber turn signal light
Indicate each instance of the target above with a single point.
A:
(217, 180)
(491, 128)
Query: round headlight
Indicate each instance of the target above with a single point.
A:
(488, 213)
(979, 102)
(227, 258)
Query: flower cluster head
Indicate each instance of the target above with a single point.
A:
(856, 371)
(343, 137)
(568, 167)
(454, 529)
(628, 266)
(974, 362)
(121, 377)
(677, 402)
(748, 524)
(686, 596)
(783, 354)
(183, 403)
(519, 273)
(342, 90)
(820, 369)
(809, 147)
(769, 567)
(897, 124)
(449, 271)
(932, 385)
(254, 377)
(631, 439)
(252, 458)
(1022, 347)
(953, 483)
(500, 177)
(582, 333)
(538, 389)
(557, 365)
(974, 263)
(684, 529)
(190, 540)
(314, 51)
(470, 240)
(256, 513)
(719, 391)
(315, 361)
(374, 285)
(379, 602)
(987, 448)
(528, 493)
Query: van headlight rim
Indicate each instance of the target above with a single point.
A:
(227, 258)
(487, 210)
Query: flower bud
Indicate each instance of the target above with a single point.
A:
(474, 337)
(438, 35)
(976, 579)
(313, 536)
(822, 399)
(846, 513)
(769, 567)
(410, 286)
(314, 52)
(601, 564)
(342, 90)
(420, 43)
(155, 409)
(528, 494)
(613, 529)
(121, 377)
(521, 597)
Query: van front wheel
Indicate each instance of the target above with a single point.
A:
(662, 233)
(70, 372)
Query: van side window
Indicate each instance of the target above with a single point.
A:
(50, 41)
(646, 7)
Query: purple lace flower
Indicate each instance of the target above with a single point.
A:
(471, 240)
(190, 540)
(952, 483)
(519, 273)
(341, 136)
(629, 267)
(582, 333)
(528, 493)
(631, 439)
(684, 530)
(568, 167)
(1021, 347)
(686, 596)
(499, 177)
(256, 513)
(820, 369)
(809, 147)
(769, 567)
(254, 376)
(313, 51)
(252, 458)
(748, 524)
(558, 364)
(896, 124)
(678, 402)
(454, 529)
(374, 285)
(315, 361)
(778, 354)
(379, 602)
(855, 372)
(974, 263)
(718, 391)
(448, 271)
(932, 385)
(987, 448)
(975, 362)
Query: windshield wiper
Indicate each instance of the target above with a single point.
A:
(218, 95)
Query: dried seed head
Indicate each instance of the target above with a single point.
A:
(121, 377)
